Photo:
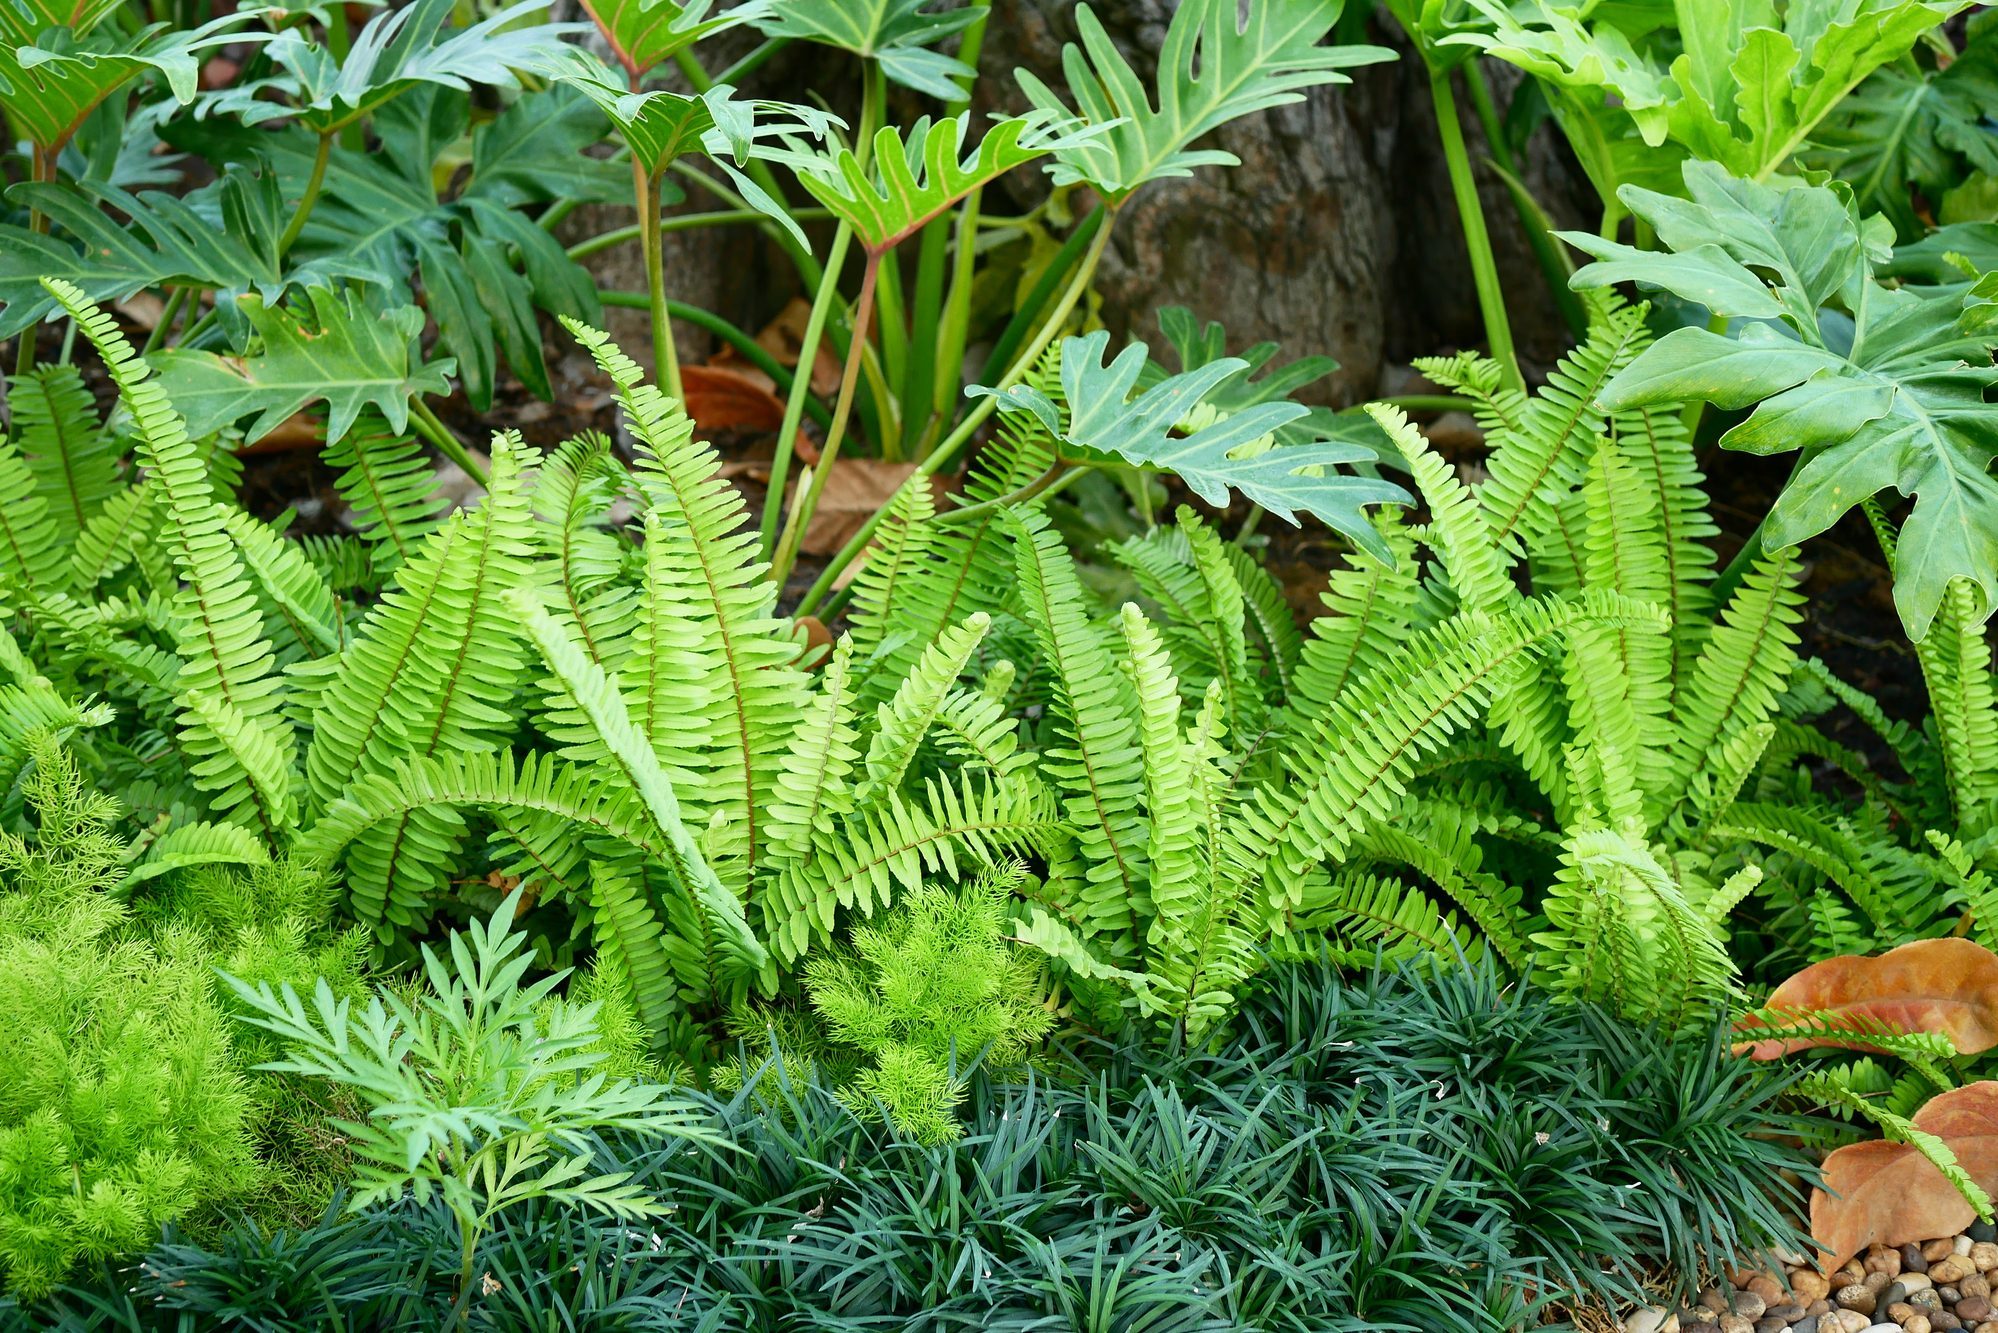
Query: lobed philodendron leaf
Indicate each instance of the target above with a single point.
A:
(223, 238)
(1882, 389)
(396, 51)
(50, 86)
(644, 33)
(896, 34)
(1225, 453)
(1754, 77)
(22, 22)
(916, 181)
(1219, 62)
(347, 356)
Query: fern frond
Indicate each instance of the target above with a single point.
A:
(74, 459)
(227, 662)
(31, 554)
(903, 721)
(1974, 889)
(812, 783)
(573, 492)
(297, 606)
(1371, 914)
(1096, 761)
(196, 844)
(1963, 701)
(389, 486)
(901, 546)
(1452, 864)
(628, 934)
(112, 539)
(1458, 529)
(1269, 614)
(1497, 408)
(1831, 1092)
(1735, 681)
(1834, 852)
(1653, 445)
(1371, 612)
(1627, 552)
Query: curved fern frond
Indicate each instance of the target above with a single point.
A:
(197, 844)
(901, 547)
(1373, 914)
(31, 557)
(389, 486)
(74, 459)
(1836, 854)
(812, 783)
(1453, 866)
(227, 662)
(114, 535)
(1735, 681)
(627, 932)
(903, 721)
(1371, 610)
(1458, 528)
(1956, 662)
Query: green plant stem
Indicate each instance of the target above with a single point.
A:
(313, 184)
(197, 328)
(168, 310)
(808, 499)
(1056, 320)
(1427, 402)
(706, 320)
(1547, 252)
(801, 387)
(430, 428)
(1043, 290)
(43, 169)
(1477, 241)
(749, 64)
(665, 356)
(685, 222)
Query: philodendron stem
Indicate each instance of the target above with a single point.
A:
(313, 184)
(1057, 319)
(665, 357)
(1484, 267)
(808, 496)
(801, 385)
(43, 167)
(439, 434)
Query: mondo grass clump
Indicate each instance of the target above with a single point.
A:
(1423, 1148)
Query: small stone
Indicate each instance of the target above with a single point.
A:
(1901, 1312)
(1789, 1312)
(1695, 1315)
(1982, 1231)
(1945, 1321)
(1809, 1285)
(1917, 1281)
(1770, 1290)
(1767, 1325)
(1857, 1297)
(1748, 1305)
(1734, 1323)
(1819, 1307)
(1884, 1328)
(1950, 1269)
(1915, 1323)
(1988, 1326)
(1961, 1244)
(1985, 1255)
(1938, 1249)
(1808, 1324)
(1714, 1299)
(1844, 1321)
(1927, 1300)
(1975, 1285)
(1973, 1309)
(1912, 1260)
(1950, 1295)
(1649, 1320)
(1876, 1282)
(1880, 1259)
(1848, 1275)
(1895, 1293)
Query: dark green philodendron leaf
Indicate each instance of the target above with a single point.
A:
(1881, 389)
(223, 237)
(897, 34)
(50, 86)
(1902, 131)
(1196, 345)
(1216, 65)
(1747, 83)
(347, 356)
(1216, 453)
(1949, 254)
(916, 181)
(23, 21)
(644, 33)
(397, 50)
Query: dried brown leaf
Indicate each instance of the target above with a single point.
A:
(1947, 985)
(1889, 1193)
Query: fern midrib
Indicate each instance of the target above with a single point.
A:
(864, 870)
(364, 462)
(59, 428)
(1748, 661)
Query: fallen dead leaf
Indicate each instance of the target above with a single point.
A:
(784, 336)
(1891, 1194)
(299, 431)
(853, 492)
(725, 398)
(1948, 986)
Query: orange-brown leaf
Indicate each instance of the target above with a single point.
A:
(724, 398)
(1891, 1194)
(1948, 986)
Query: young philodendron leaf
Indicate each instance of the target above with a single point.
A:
(1896, 401)
(1103, 418)
(354, 358)
(893, 33)
(919, 180)
(1218, 64)
(1750, 84)
(644, 33)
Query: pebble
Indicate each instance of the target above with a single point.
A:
(1895, 1293)
(1789, 1312)
(1857, 1297)
(1985, 1255)
(1962, 1244)
(1973, 1309)
(1918, 1323)
(1982, 1231)
(1975, 1285)
(1748, 1305)
(1912, 1260)
(1884, 1328)
(1767, 1325)
(1844, 1321)
(1808, 1324)
(1809, 1285)
(1652, 1320)
(1880, 1259)
(1951, 1269)
(1939, 1249)
(1734, 1323)
(1768, 1288)
(1943, 1319)
(1917, 1281)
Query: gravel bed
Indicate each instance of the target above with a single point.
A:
(1940, 1286)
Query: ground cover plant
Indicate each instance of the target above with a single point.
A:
(510, 883)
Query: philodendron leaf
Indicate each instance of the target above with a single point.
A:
(1218, 453)
(347, 356)
(47, 89)
(643, 33)
(897, 34)
(918, 180)
(1881, 389)
(1218, 63)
